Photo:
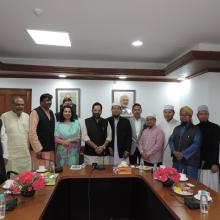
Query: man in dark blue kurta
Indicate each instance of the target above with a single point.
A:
(185, 144)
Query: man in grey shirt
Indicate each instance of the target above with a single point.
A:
(137, 125)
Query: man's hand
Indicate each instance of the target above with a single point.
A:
(214, 168)
(5, 161)
(99, 149)
(66, 143)
(178, 155)
(81, 150)
(145, 156)
(126, 154)
(111, 152)
(39, 155)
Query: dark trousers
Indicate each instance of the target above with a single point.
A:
(188, 170)
(2, 170)
(135, 158)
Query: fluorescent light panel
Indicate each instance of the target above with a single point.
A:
(50, 37)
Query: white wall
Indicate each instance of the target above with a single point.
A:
(151, 95)
(214, 97)
(195, 92)
(201, 90)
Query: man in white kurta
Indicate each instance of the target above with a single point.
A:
(17, 127)
(167, 125)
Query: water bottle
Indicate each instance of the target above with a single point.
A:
(154, 167)
(52, 167)
(2, 206)
(203, 202)
(141, 167)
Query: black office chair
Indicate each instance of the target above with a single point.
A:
(8, 174)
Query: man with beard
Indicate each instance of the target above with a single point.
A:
(17, 129)
(96, 133)
(120, 145)
(42, 124)
(167, 125)
(185, 144)
(209, 157)
(125, 110)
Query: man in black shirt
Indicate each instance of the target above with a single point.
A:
(209, 157)
(96, 133)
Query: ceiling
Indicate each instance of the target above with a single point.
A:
(104, 30)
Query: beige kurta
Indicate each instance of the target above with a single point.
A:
(17, 129)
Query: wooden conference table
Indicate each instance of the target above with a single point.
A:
(98, 195)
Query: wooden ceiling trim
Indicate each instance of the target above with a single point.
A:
(86, 77)
(81, 70)
(196, 58)
(194, 63)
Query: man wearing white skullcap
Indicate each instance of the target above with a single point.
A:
(120, 145)
(151, 142)
(209, 157)
(167, 125)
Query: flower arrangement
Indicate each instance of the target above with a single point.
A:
(27, 183)
(167, 174)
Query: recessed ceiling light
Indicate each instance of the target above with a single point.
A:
(50, 37)
(62, 76)
(181, 78)
(122, 77)
(38, 11)
(137, 43)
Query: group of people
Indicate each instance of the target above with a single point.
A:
(30, 141)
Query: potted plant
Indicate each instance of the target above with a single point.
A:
(168, 175)
(27, 183)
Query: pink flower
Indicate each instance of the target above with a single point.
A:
(40, 183)
(15, 188)
(28, 181)
(26, 178)
(163, 178)
(163, 174)
(29, 188)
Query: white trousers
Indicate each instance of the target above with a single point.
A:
(210, 179)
